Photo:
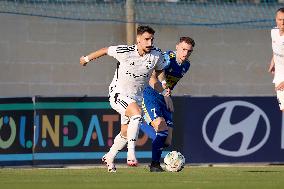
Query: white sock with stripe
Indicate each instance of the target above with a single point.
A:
(132, 135)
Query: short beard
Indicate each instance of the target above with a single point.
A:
(146, 50)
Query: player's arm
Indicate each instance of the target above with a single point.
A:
(94, 55)
(163, 89)
(158, 77)
(271, 68)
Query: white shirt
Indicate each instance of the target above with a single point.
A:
(278, 55)
(133, 71)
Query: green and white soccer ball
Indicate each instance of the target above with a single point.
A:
(174, 161)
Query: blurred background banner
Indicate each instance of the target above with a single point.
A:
(230, 129)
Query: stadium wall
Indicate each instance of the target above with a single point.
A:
(40, 56)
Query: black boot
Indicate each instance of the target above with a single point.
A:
(156, 167)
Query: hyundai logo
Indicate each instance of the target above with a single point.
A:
(236, 128)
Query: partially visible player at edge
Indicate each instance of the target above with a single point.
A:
(157, 112)
(277, 62)
(135, 66)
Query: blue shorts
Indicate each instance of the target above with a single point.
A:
(154, 106)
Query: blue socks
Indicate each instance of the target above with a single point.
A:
(158, 145)
(158, 142)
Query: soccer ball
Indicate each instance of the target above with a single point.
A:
(174, 161)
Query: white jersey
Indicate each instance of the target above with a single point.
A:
(133, 71)
(278, 55)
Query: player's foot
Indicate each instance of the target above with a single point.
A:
(131, 159)
(109, 163)
(156, 167)
(132, 162)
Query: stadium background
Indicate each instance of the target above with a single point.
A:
(41, 42)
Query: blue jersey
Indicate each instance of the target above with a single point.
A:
(153, 103)
(174, 71)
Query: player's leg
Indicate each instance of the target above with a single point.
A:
(119, 143)
(169, 120)
(154, 117)
(133, 111)
(168, 141)
(280, 98)
(148, 130)
(158, 143)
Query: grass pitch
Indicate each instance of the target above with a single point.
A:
(258, 177)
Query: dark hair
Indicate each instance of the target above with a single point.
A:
(143, 29)
(188, 40)
(280, 10)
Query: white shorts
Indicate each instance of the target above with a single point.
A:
(119, 103)
(280, 98)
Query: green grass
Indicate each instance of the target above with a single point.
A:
(191, 177)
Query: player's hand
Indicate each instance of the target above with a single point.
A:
(167, 92)
(82, 61)
(280, 87)
(169, 103)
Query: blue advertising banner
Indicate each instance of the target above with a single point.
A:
(230, 129)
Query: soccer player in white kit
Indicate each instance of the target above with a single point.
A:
(277, 61)
(135, 66)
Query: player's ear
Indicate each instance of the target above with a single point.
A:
(138, 39)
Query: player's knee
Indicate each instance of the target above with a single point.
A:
(167, 144)
(133, 109)
(160, 124)
(123, 133)
(136, 118)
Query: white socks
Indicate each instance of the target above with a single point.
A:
(120, 141)
(118, 144)
(132, 135)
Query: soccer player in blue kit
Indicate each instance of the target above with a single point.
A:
(158, 107)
